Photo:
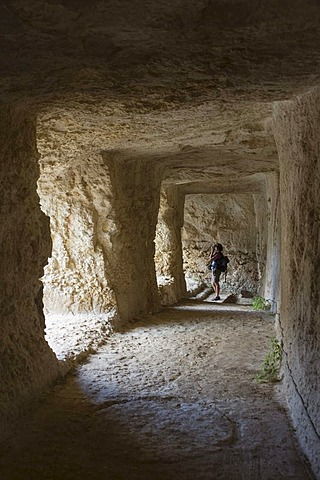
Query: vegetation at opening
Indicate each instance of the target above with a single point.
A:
(260, 303)
(270, 368)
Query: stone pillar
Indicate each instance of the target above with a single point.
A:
(268, 217)
(297, 132)
(260, 207)
(135, 193)
(27, 363)
(168, 256)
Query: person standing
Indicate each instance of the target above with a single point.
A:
(215, 258)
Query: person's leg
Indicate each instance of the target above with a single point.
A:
(213, 281)
(216, 284)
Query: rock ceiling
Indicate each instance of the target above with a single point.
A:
(189, 85)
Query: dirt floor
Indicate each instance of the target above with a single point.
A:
(172, 397)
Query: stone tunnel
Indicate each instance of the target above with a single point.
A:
(133, 136)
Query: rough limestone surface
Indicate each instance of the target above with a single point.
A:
(27, 363)
(132, 93)
(135, 188)
(103, 212)
(260, 208)
(271, 287)
(168, 247)
(230, 220)
(74, 189)
(73, 337)
(298, 132)
(172, 397)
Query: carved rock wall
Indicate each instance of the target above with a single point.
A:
(76, 279)
(297, 131)
(230, 220)
(103, 208)
(168, 252)
(74, 188)
(271, 284)
(261, 212)
(267, 210)
(112, 76)
(27, 363)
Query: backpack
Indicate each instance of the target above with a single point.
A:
(222, 264)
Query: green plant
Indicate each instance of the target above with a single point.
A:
(260, 303)
(270, 368)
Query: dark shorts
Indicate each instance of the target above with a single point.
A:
(215, 276)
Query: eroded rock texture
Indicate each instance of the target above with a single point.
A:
(27, 363)
(103, 216)
(135, 189)
(74, 188)
(135, 98)
(168, 253)
(230, 220)
(298, 136)
(267, 210)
